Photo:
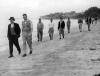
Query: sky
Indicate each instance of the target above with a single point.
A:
(36, 8)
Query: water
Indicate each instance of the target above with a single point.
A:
(4, 26)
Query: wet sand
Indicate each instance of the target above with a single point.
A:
(78, 54)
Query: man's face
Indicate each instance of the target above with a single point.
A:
(40, 20)
(11, 21)
(25, 17)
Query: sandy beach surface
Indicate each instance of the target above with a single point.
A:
(78, 54)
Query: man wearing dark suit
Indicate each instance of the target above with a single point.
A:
(61, 27)
(13, 35)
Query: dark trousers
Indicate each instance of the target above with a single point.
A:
(61, 32)
(68, 28)
(14, 40)
(89, 27)
(40, 35)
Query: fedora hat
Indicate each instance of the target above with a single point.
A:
(12, 18)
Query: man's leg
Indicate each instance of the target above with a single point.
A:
(52, 35)
(17, 45)
(80, 27)
(59, 33)
(68, 28)
(38, 35)
(41, 35)
(89, 27)
(29, 41)
(24, 46)
(63, 33)
(10, 48)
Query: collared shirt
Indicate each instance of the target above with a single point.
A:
(12, 25)
(51, 25)
(12, 30)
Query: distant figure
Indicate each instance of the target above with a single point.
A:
(51, 29)
(80, 22)
(96, 20)
(40, 27)
(86, 20)
(92, 20)
(61, 27)
(27, 29)
(89, 24)
(13, 35)
(68, 25)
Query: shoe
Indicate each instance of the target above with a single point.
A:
(30, 52)
(24, 55)
(11, 56)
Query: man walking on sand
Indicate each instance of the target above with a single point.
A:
(27, 29)
(51, 29)
(68, 25)
(40, 27)
(80, 22)
(13, 35)
(61, 27)
(89, 24)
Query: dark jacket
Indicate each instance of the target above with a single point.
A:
(16, 29)
(61, 25)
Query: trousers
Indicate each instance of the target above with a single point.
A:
(14, 41)
(27, 39)
(40, 35)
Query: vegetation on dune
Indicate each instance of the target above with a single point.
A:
(90, 12)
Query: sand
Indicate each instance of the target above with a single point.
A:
(78, 54)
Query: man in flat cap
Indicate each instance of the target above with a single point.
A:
(13, 35)
(27, 28)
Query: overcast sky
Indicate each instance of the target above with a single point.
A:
(37, 8)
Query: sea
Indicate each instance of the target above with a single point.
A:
(4, 27)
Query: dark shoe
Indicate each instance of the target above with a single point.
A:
(24, 55)
(30, 52)
(11, 56)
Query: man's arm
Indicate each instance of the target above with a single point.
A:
(8, 32)
(31, 26)
(18, 30)
(58, 25)
(43, 25)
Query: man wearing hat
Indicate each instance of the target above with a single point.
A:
(13, 35)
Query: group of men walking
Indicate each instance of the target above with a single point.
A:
(27, 29)
(88, 21)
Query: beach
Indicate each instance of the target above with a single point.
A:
(78, 54)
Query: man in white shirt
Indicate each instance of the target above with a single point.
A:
(51, 29)
(27, 29)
